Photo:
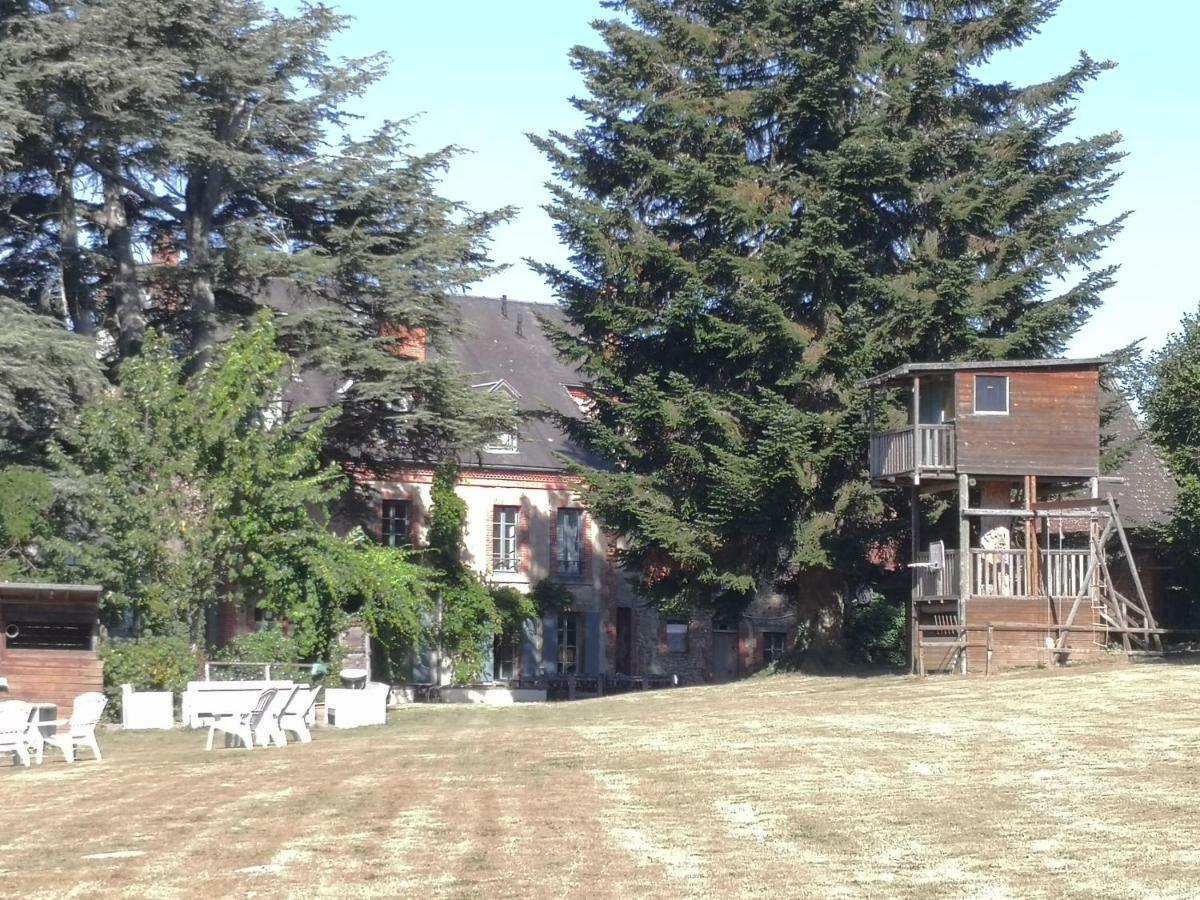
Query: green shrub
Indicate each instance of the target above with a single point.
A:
(163, 663)
(874, 630)
(271, 645)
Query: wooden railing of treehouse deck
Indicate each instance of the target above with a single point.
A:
(928, 583)
(1005, 573)
(923, 448)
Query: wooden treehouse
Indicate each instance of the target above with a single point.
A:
(1028, 563)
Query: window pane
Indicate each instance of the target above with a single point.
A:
(991, 393)
(570, 541)
(774, 646)
(397, 521)
(677, 634)
(568, 643)
(505, 552)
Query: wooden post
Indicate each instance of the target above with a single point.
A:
(990, 635)
(1133, 570)
(1063, 634)
(964, 556)
(916, 429)
(920, 655)
(914, 618)
(1032, 557)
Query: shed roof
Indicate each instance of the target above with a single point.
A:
(20, 590)
(910, 369)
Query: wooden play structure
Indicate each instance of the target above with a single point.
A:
(1030, 563)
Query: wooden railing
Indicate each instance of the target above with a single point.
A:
(1005, 573)
(1064, 571)
(922, 448)
(927, 583)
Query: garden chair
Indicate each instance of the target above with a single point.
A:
(242, 725)
(268, 732)
(294, 717)
(81, 727)
(14, 729)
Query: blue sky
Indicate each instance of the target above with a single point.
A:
(482, 73)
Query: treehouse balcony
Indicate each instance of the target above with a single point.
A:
(1055, 574)
(912, 453)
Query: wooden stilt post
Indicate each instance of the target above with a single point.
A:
(1032, 558)
(1065, 632)
(914, 618)
(964, 560)
(1137, 580)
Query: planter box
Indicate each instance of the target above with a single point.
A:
(146, 709)
(492, 695)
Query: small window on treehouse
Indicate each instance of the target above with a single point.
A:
(991, 395)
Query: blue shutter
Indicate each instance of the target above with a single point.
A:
(422, 667)
(529, 652)
(487, 667)
(591, 644)
(550, 643)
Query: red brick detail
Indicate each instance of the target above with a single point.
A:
(409, 342)
(523, 548)
(529, 479)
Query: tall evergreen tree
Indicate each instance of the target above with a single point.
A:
(773, 200)
(171, 157)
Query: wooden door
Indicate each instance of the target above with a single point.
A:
(725, 645)
(623, 660)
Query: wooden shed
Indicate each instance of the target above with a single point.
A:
(49, 649)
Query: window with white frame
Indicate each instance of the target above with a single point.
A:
(568, 643)
(505, 548)
(505, 442)
(991, 395)
(569, 541)
(677, 636)
(506, 655)
(397, 523)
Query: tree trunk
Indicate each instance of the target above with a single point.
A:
(77, 298)
(202, 196)
(126, 295)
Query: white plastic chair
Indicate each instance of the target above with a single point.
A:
(243, 725)
(14, 729)
(294, 717)
(81, 727)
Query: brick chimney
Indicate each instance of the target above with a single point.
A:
(409, 343)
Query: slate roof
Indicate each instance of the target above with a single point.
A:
(504, 340)
(1149, 491)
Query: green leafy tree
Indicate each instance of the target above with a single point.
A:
(771, 201)
(1167, 386)
(26, 500)
(199, 490)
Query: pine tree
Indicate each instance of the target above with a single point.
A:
(771, 201)
(46, 375)
(209, 135)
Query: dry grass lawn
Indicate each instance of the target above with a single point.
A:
(1069, 784)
